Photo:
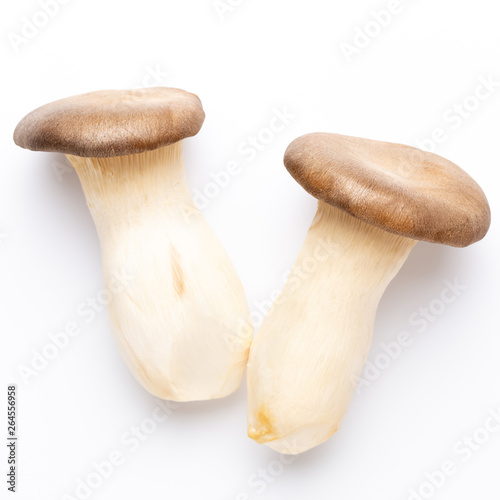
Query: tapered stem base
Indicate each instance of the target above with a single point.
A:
(314, 341)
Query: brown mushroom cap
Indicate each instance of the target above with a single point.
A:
(110, 123)
(400, 189)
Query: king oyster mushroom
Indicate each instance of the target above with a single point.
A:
(182, 324)
(376, 200)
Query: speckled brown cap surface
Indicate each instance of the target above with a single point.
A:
(398, 188)
(110, 123)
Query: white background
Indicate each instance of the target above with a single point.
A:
(243, 63)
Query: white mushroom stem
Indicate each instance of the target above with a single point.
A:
(311, 348)
(181, 321)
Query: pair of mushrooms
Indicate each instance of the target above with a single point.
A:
(182, 324)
